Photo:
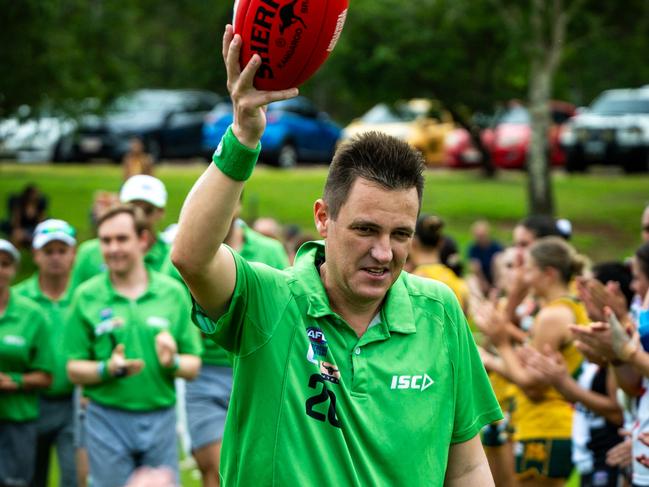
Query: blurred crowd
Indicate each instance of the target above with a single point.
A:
(563, 339)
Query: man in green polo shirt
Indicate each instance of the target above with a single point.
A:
(25, 367)
(150, 195)
(128, 335)
(347, 371)
(53, 246)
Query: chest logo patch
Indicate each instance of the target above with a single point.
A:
(109, 325)
(417, 382)
(318, 341)
(157, 322)
(14, 340)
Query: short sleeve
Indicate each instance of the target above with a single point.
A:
(259, 298)
(475, 402)
(77, 335)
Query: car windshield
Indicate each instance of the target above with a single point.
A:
(516, 115)
(382, 113)
(145, 101)
(620, 105)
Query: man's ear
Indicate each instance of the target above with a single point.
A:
(321, 217)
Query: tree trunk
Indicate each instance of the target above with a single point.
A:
(540, 194)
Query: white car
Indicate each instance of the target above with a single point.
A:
(614, 130)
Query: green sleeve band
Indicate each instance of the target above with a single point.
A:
(235, 159)
(17, 378)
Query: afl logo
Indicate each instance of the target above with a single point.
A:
(318, 341)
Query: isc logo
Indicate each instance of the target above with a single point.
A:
(420, 382)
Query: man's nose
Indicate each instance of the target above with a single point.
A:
(381, 251)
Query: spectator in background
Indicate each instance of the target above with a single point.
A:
(645, 224)
(127, 336)
(54, 248)
(25, 366)
(25, 210)
(481, 253)
(150, 195)
(269, 227)
(136, 160)
(426, 257)
(101, 201)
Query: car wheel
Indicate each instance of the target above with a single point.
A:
(287, 156)
(576, 164)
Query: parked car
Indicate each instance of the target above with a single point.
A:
(37, 136)
(460, 151)
(509, 140)
(295, 132)
(418, 121)
(169, 122)
(614, 130)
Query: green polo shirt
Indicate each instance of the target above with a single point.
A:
(55, 313)
(24, 347)
(100, 318)
(89, 261)
(329, 408)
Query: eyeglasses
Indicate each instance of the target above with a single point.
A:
(645, 228)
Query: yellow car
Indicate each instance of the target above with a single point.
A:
(418, 121)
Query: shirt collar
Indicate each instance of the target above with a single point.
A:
(34, 291)
(152, 289)
(306, 284)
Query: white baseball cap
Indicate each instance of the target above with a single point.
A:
(7, 246)
(53, 230)
(144, 188)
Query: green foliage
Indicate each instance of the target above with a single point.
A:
(456, 50)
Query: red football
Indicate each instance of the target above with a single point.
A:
(293, 37)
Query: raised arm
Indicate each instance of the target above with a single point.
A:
(206, 266)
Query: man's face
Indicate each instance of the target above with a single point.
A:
(645, 225)
(55, 259)
(7, 269)
(152, 213)
(120, 245)
(367, 244)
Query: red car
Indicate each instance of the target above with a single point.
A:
(509, 140)
(459, 150)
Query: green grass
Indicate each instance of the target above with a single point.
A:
(605, 209)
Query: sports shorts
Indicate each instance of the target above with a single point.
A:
(543, 458)
(206, 400)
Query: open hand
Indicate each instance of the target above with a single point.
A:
(248, 103)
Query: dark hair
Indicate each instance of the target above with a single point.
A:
(379, 158)
(617, 272)
(140, 222)
(541, 226)
(558, 254)
(642, 258)
(428, 230)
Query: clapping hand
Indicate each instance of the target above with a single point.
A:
(166, 348)
(120, 366)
